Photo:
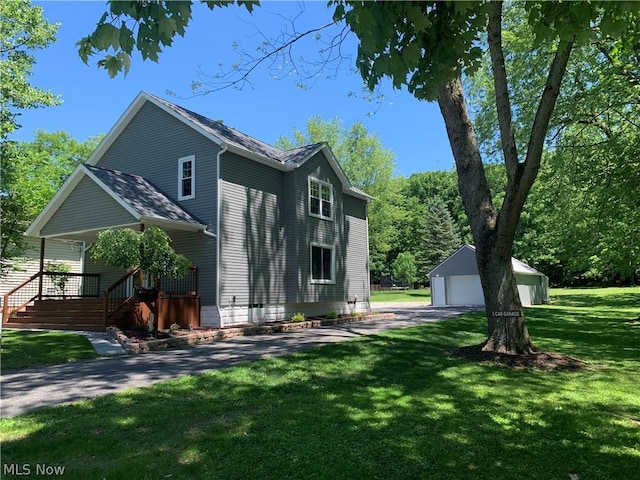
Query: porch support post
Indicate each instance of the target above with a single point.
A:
(141, 273)
(42, 244)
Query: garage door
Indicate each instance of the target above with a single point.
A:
(464, 290)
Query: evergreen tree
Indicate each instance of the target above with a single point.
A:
(437, 237)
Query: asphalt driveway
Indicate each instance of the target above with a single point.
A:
(26, 390)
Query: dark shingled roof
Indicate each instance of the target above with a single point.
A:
(242, 140)
(142, 196)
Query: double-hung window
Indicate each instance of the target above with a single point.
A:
(187, 177)
(322, 264)
(320, 199)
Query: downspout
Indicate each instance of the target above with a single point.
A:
(366, 211)
(223, 148)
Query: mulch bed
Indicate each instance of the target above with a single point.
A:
(539, 360)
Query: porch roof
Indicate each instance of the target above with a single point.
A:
(142, 202)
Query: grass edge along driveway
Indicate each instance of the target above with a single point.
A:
(24, 348)
(394, 405)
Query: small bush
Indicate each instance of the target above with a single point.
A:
(331, 315)
(356, 314)
(298, 317)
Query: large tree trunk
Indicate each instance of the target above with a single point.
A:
(507, 331)
(494, 229)
(506, 327)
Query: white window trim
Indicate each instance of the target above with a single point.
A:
(181, 162)
(321, 182)
(332, 280)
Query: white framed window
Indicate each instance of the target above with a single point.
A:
(320, 199)
(323, 263)
(187, 177)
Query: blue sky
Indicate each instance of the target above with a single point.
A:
(92, 102)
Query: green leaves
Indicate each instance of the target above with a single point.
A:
(32, 172)
(417, 44)
(24, 29)
(144, 26)
(404, 267)
(150, 250)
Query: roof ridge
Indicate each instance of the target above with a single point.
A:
(228, 133)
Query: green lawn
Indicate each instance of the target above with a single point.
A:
(389, 406)
(22, 349)
(422, 295)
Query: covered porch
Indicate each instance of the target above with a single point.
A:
(77, 301)
(93, 200)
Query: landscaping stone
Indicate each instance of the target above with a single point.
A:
(183, 338)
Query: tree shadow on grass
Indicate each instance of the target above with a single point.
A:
(393, 406)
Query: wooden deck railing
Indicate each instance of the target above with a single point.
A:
(50, 285)
(118, 295)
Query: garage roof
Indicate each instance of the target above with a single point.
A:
(463, 262)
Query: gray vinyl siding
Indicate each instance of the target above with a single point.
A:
(87, 207)
(311, 229)
(292, 199)
(151, 145)
(252, 233)
(201, 250)
(108, 274)
(462, 262)
(356, 239)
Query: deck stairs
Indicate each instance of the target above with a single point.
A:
(61, 314)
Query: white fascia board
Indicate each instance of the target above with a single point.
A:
(55, 203)
(335, 165)
(90, 231)
(117, 128)
(112, 194)
(328, 153)
(446, 260)
(358, 194)
(128, 115)
(175, 224)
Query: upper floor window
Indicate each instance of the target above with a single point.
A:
(187, 177)
(320, 199)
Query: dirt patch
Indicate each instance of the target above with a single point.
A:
(539, 360)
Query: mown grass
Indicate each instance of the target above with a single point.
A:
(390, 406)
(421, 295)
(21, 349)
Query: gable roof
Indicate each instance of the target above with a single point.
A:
(463, 262)
(139, 197)
(231, 139)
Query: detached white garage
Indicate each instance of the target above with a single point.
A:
(456, 282)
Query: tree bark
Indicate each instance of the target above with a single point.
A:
(507, 331)
(494, 230)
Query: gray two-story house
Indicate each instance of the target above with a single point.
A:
(271, 232)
